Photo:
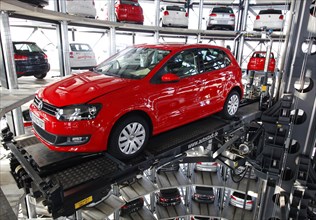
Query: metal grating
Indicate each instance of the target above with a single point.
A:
(84, 172)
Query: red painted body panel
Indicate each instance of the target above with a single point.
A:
(167, 105)
(257, 61)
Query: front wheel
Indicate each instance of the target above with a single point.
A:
(231, 105)
(128, 137)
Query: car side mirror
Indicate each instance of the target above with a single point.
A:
(169, 78)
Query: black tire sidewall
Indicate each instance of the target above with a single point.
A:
(113, 147)
(225, 109)
(40, 75)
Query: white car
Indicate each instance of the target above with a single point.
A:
(174, 16)
(221, 18)
(81, 56)
(238, 200)
(269, 19)
(84, 8)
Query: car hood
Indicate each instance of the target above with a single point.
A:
(81, 88)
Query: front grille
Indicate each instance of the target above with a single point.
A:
(49, 109)
(50, 138)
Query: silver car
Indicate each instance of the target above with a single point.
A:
(238, 199)
(221, 18)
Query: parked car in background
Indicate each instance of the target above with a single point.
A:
(124, 100)
(30, 60)
(221, 18)
(257, 61)
(269, 19)
(238, 199)
(168, 197)
(203, 194)
(132, 206)
(174, 16)
(81, 56)
(206, 166)
(38, 3)
(129, 11)
(171, 167)
(84, 8)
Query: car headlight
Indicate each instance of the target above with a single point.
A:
(78, 112)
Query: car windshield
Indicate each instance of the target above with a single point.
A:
(130, 2)
(80, 47)
(175, 8)
(223, 10)
(27, 47)
(133, 62)
(270, 11)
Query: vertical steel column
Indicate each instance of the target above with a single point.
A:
(112, 34)
(284, 50)
(243, 28)
(200, 20)
(30, 205)
(116, 191)
(63, 43)
(152, 195)
(157, 19)
(8, 74)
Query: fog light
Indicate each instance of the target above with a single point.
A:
(77, 140)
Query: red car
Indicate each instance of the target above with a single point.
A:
(258, 59)
(129, 11)
(141, 91)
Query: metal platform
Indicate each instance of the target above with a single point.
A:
(69, 181)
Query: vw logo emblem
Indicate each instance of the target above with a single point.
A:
(40, 105)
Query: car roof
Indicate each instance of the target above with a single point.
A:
(23, 42)
(178, 46)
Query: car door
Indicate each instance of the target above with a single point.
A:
(175, 103)
(213, 79)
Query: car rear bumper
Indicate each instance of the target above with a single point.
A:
(169, 21)
(275, 25)
(29, 70)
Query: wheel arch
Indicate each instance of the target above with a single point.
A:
(140, 113)
(237, 89)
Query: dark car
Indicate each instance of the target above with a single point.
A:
(30, 60)
(132, 206)
(169, 167)
(168, 197)
(38, 3)
(203, 194)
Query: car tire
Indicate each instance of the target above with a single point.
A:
(129, 136)
(40, 75)
(231, 105)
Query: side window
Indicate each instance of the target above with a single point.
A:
(213, 59)
(183, 64)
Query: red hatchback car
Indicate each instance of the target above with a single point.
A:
(129, 11)
(258, 59)
(141, 91)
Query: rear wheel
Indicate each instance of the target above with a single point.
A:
(40, 75)
(128, 137)
(231, 105)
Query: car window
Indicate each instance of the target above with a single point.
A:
(222, 10)
(270, 11)
(26, 47)
(183, 64)
(175, 8)
(80, 47)
(129, 2)
(242, 195)
(262, 55)
(134, 63)
(212, 59)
